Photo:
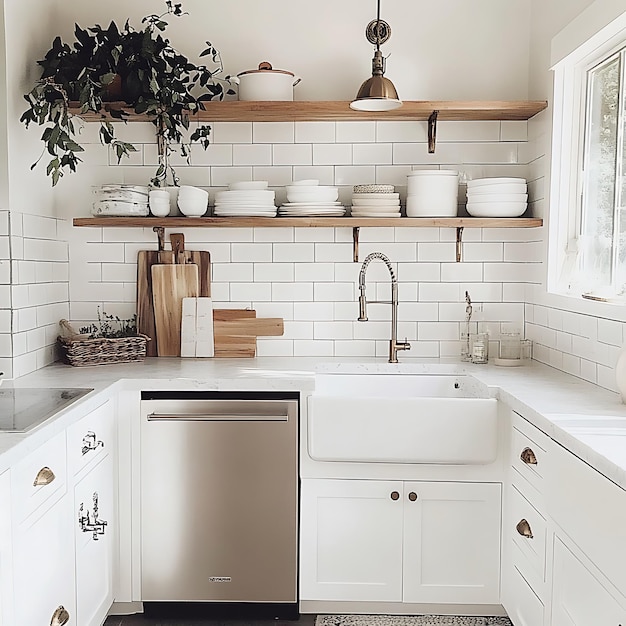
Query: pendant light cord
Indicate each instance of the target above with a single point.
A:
(378, 26)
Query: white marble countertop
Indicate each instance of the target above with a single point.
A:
(584, 418)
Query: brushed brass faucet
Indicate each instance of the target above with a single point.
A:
(394, 344)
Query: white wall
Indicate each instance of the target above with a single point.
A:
(581, 338)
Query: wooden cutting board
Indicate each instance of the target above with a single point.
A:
(145, 306)
(235, 331)
(170, 284)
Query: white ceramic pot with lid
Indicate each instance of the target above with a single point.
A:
(266, 83)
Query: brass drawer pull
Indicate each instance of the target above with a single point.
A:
(523, 528)
(528, 456)
(44, 477)
(60, 617)
(395, 495)
(412, 496)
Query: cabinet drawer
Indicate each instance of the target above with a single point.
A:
(522, 604)
(528, 530)
(90, 438)
(528, 454)
(46, 466)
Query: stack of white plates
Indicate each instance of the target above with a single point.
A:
(245, 202)
(311, 200)
(497, 197)
(120, 201)
(376, 204)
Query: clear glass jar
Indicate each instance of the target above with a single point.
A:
(480, 347)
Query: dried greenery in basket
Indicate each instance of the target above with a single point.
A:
(110, 327)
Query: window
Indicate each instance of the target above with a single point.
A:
(588, 192)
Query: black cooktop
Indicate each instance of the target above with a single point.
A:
(23, 409)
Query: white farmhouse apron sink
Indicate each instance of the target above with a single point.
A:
(382, 418)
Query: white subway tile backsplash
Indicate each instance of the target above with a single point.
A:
(317, 347)
(231, 132)
(333, 292)
(355, 174)
(332, 330)
(274, 272)
(610, 331)
(332, 154)
(355, 132)
(232, 272)
(402, 132)
(215, 154)
(299, 330)
(292, 292)
(252, 154)
(294, 252)
(440, 292)
(273, 132)
(223, 176)
(324, 173)
(314, 311)
(293, 154)
(333, 252)
(372, 154)
(419, 272)
(436, 252)
(315, 132)
(437, 331)
(248, 292)
(478, 132)
(461, 272)
(355, 348)
(315, 272)
(251, 252)
(513, 131)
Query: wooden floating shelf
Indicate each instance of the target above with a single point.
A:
(334, 222)
(315, 111)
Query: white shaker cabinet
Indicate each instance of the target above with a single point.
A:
(395, 541)
(91, 458)
(43, 537)
(578, 599)
(6, 561)
(351, 540)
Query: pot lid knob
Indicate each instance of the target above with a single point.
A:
(265, 65)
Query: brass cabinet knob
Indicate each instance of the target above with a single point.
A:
(395, 495)
(60, 617)
(44, 477)
(412, 496)
(523, 528)
(528, 456)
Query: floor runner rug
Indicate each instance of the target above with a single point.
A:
(409, 620)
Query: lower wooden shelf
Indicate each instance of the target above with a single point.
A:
(334, 222)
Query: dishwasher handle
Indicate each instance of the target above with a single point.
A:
(217, 417)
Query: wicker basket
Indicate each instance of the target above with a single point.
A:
(81, 350)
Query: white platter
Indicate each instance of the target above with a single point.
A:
(374, 214)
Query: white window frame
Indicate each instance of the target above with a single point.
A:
(570, 95)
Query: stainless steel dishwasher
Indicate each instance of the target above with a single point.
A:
(219, 502)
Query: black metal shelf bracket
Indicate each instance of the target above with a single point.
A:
(432, 132)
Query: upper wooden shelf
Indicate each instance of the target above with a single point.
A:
(349, 222)
(315, 111)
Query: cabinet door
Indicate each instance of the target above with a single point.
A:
(351, 540)
(579, 599)
(94, 505)
(43, 566)
(6, 565)
(452, 542)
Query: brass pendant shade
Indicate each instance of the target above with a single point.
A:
(377, 93)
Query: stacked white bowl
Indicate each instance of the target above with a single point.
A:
(432, 193)
(497, 197)
(375, 201)
(120, 200)
(193, 201)
(307, 198)
(248, 198)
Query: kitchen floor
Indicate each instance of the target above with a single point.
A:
(139, 620)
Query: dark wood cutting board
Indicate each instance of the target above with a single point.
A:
(145, 308)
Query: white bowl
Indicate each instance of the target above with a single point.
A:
(496, 209)
(309, 182)
(192, 208)
(248, 184)
(305, 193)
(497, 188)
(432, 206)
(193, 193)
(497, 197)
(479, 182)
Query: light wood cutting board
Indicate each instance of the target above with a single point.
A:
(235, 331)
(170, 284)
(145, 300)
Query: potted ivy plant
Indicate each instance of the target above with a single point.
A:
(115, 73)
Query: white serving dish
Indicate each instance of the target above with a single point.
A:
(497, 197)
(374, 214)
(479, 182)
(246, 185)
(318, 194)
(497, 209)
(375, 202)
(498, 188)
(116, 208)
(120, 195)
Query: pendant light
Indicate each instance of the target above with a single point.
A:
(377, 93)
